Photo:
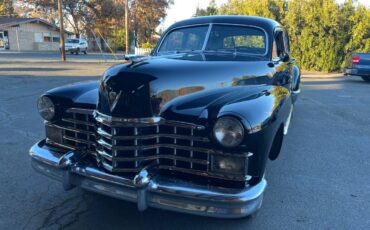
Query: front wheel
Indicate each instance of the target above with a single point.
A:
(77, 51)
(367, 79)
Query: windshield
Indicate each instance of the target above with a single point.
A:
(222, 38)
(73, 41)
(185, 39)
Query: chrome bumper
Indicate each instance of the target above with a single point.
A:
(147, 190)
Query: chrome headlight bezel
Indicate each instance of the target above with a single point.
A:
(46, 108)
(229, 131)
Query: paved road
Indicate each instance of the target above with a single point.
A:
(321, 180)
(55, 56)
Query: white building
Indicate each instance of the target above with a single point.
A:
(28, 34)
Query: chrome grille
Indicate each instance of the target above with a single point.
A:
(78, 130)
(128, 145)
(122, 145)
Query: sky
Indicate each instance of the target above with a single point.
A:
(184, 9)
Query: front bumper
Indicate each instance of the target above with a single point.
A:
(71, 49)
(147, 190)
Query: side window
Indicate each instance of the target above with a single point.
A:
(279, 41)
(249, 41)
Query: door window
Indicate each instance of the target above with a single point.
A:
(279, 42)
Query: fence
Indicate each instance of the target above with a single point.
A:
(142, 51)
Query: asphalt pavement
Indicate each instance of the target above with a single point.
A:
(320, 181)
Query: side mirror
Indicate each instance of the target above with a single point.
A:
(285, 57)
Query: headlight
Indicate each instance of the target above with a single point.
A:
(228, 131)
(46, 108)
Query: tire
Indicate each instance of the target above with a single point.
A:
(77, 51)
(367, 79)
(85, 52)
(71, 52)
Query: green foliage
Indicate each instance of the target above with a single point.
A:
(360, 36)
(210, 10)
(6, 8)
(323, 34)
(147, 45)
(118, 39)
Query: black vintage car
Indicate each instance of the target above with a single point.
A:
(188, 129)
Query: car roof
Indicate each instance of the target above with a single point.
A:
(265, 23)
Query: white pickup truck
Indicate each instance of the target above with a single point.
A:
(75, 46)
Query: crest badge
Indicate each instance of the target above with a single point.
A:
(113, 99)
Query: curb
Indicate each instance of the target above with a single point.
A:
(330, 75)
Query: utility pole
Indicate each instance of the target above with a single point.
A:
(126, 27)
(61, 31)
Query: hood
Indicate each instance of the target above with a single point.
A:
(150, 86)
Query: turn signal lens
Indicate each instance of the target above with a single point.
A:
(228, 164)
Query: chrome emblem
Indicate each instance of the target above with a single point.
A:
(113, 98)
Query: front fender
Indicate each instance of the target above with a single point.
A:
(78, 95)
(265, 114)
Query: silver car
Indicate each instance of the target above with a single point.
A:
(75, 46)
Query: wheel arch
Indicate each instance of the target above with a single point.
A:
(277, 143)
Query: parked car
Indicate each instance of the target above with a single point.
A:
(360, 66)
(75, 46)
(188, 129)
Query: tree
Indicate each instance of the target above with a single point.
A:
(315, 26)
(146, 15)
(210, 10)
(359, 40)
(25, 10)
(263, 8)
(73, 10)
(323, 33)
(6, 8)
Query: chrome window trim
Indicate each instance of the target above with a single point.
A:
(206, 40)
(209, 32)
